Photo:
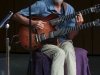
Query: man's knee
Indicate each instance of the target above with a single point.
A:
(59, 52)
(67, 46)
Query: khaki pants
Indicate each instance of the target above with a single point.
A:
(64, 53)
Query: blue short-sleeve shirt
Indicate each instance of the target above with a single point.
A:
(44, 8)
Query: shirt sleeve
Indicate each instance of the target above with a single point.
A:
(35, 9)
(71, 22)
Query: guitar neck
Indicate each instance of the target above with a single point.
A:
(70, 29)
(60, 20)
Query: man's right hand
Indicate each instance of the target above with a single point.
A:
(38, 24)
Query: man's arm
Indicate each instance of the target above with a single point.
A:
(79, 21)
(24, 20)
(21, 19)
(71, 35)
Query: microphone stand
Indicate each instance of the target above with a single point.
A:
(4, 23)
(30, 42)
(7, 50)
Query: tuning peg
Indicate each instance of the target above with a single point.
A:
(97, 8)
(97, 22)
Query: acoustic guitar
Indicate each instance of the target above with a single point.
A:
(49, 31)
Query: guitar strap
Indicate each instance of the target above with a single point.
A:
(64, 6)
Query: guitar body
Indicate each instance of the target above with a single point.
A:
(24, 32)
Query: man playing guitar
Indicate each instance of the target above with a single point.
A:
(63, 52)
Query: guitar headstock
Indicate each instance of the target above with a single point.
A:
(97, 22)
(96, 8)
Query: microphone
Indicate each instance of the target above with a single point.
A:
(6, 19)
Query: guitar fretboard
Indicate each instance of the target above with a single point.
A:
(60, 20)
(70, 29)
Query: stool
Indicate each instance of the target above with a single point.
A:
(42, 64)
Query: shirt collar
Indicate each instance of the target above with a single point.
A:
(50, 6)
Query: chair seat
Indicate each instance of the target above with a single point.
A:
(42, 64)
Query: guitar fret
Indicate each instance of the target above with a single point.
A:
(87, 24)
(68, 29)
(62, 19)
(82, 27)
(93, 23)
(76, 27)
(91, 9)
(68, 17)
(71, 28)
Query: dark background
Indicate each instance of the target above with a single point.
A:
(88, 38)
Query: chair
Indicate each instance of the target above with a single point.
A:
(42, 64)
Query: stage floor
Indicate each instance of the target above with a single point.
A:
(19, 63)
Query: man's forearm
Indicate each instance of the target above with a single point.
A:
(71, 35)
(21, 19)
